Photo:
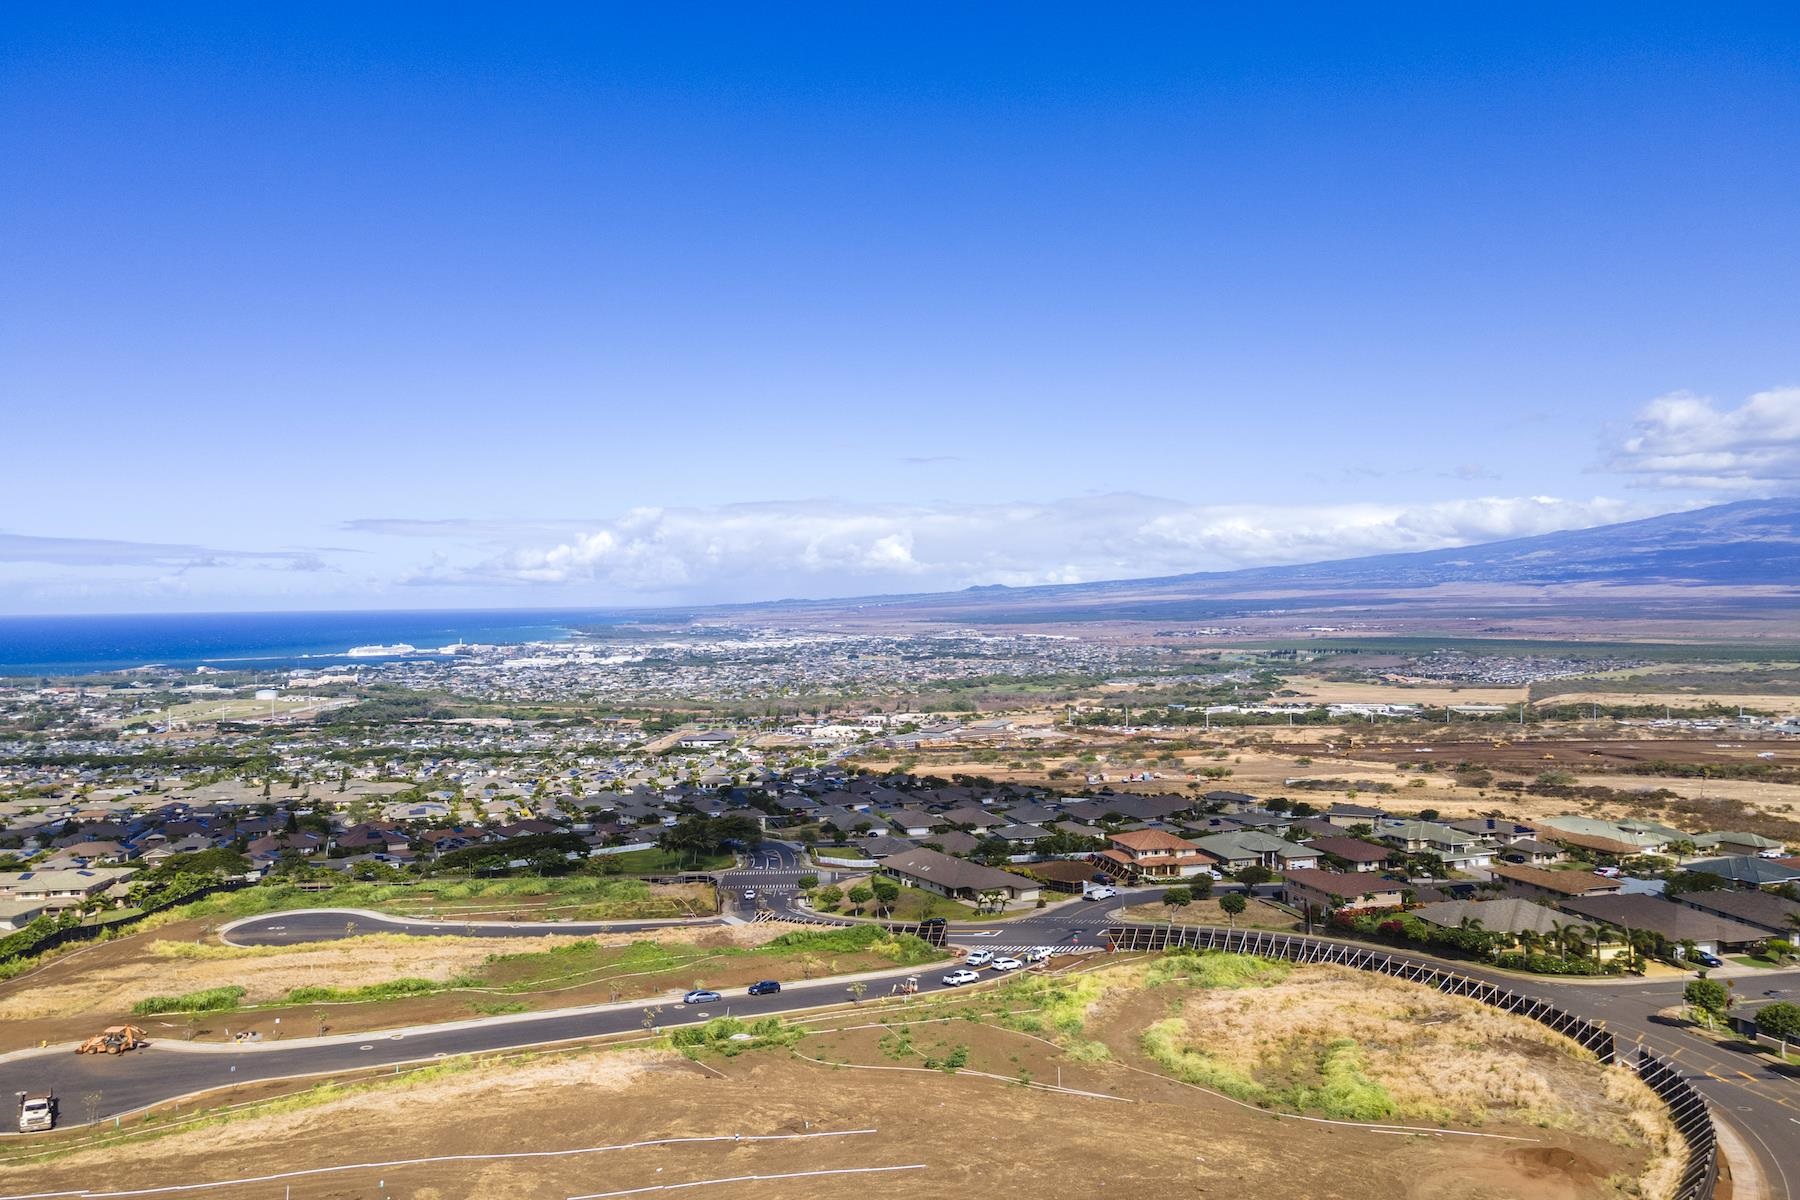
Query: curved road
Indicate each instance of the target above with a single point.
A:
(1756, 1096)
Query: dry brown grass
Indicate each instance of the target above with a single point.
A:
(1432, 692)
(268, 972)
(1260, 914)
(1440, 1058)
(164, 968)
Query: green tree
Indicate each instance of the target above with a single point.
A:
(1780, 1020)
(1708, 996)
(1233, 904)
(829, 898)
(886, 892)
(807, 883)
(861, 895)
(1176, 899)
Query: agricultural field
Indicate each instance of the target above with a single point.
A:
(1235, 1076)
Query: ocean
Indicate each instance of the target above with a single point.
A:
(76, 645)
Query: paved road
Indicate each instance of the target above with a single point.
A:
(1758, 1096)
(170, 1068)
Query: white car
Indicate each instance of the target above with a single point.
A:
(958, 978)
(979, 958)
(1039, 954)
(749, 893)
(1100, 893)
(1007, 964)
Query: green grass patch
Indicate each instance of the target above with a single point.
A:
(657, 861)
(1216, 969)
(731, 1037)
(1344, 1091)
(1165, 1042)
(1751, 960)
(217, 999)
(391, 989)
(903, 950)
(497, 1008)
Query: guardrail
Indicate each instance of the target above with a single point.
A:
(1688, 1109)
(1687, 1106)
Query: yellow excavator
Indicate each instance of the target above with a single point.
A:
(115, 1039)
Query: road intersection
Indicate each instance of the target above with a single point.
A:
(1758, 1097)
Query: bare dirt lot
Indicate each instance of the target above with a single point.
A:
(74, 995)
(1027, 1088)
(1258, 914)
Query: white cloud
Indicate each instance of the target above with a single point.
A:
(818, 548)
(1686, 441)
(108, 552)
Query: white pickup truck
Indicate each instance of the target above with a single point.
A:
(37, 1112)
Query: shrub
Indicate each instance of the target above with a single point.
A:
(217, 999)
(392, 989)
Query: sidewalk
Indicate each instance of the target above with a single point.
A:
(1738, 1161)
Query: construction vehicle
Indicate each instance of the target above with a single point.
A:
(116, 1039)
(37, 1112)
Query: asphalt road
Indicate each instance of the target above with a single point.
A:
(1758, 1096)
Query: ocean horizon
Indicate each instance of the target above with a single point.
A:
(89, 644)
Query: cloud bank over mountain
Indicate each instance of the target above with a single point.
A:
(820, 547)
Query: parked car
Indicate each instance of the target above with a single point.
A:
(701, 996)
(765, 987)
(1007, 964)
(1100, 893)
(979, 958)
(958, 978)
(1708, 960)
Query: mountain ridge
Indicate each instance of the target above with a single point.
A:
(1744, 544)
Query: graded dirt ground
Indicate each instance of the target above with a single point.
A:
(74, 995)
(958, 1097)
(1257, 914)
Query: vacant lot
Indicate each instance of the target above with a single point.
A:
(387, 981)
(1031, 1084)
(1259, 914)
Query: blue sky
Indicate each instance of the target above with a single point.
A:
(323, 307)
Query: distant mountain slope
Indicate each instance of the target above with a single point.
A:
(1750, 543)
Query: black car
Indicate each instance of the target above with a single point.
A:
(766, 987)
